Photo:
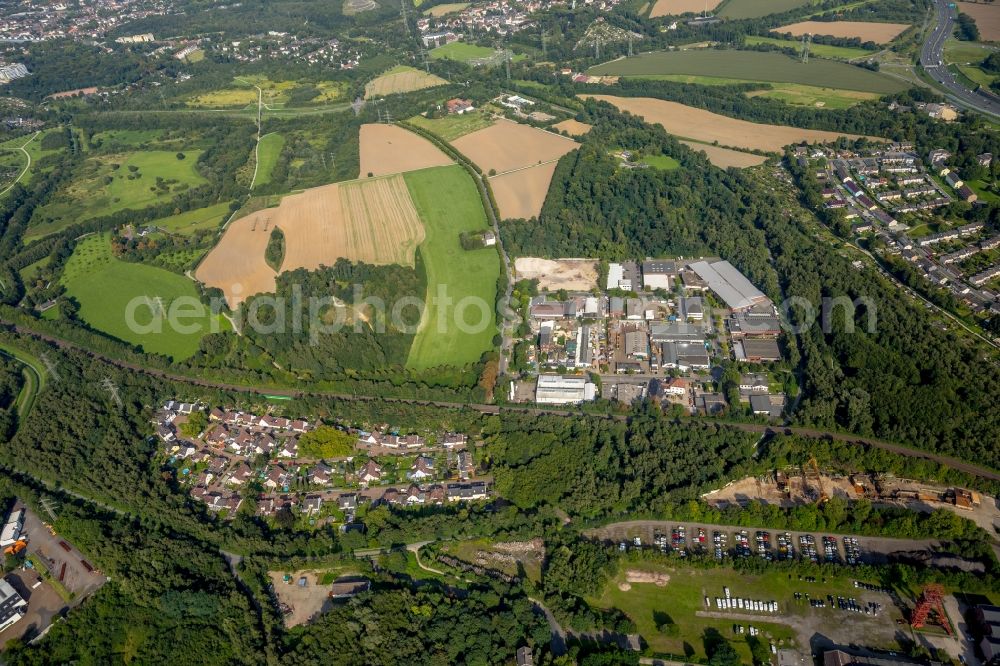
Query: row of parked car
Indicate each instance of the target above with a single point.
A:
(745, 546)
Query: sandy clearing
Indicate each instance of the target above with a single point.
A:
(678, 7)
(986, 16)
(388, 149)
(372, 220)
(573, 127)
(401, 80)
(638, 576)
(724, 157)
(236, 264)
(701, 125)
(521, 194)
(880, 33)
(555, 274)
(507, 145)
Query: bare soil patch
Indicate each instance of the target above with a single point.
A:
(724, 157)
(506, 145)
(880, 33)
(658, 578)
(678, 7)
(701, 125)
(306, 602)
(521, 194)
(573, 127)
(555, 274)
(388, 149)
(372, 220)
(986, 16)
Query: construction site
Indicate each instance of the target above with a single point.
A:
(808, 484)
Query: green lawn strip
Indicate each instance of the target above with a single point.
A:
(462, 52)
(105, 286)
(959, 52)
(44, 572)
(752, 66)
(29, 272)
(448, 203)
(35, 373)
(267, 156)
(979, 187)
(453, 126)
(662, 162)
(193, 220)
(821, 50)
(743, 9)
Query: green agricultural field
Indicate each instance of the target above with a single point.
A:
(110, 183)
(268, 152)
(449, 203)
(462, 52)
(821, 50)
(683, 597)
(193, 220)
(744, 9)
(752, 66)
(451, 127)
(105, 286)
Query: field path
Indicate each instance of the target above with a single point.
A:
(26, 166)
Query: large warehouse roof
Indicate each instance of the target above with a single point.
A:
(731, 285)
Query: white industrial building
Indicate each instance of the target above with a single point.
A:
(617, 279)
(559, 390)
(12, 529)
(729, 284)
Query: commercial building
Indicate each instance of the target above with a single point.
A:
(757, 350)
(559, 390)
(729, 284)
(658, 274)
(685, 356)
(692, 308)
(11, 531)
(12, 605)
(617, 278)
(676, 331)
(765, 404)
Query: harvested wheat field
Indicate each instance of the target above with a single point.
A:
(725, 157)
(555, 274)
(701, 125)
(521, 193)
(506, 145)
(986, 16)
(401, 79)
(573, 127)
(880, 33)
(387, 149)
(372, 220)
(236, 264)
(678, 7)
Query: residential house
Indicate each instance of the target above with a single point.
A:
(370, 473)
(422, 468)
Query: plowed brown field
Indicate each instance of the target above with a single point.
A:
(387, 149)
(236, 264)
(880, 33)
(574, 127)
(693, 123)
(986, 16)
(724, 157)
(521, 194)
(678, 7)
(507, 145)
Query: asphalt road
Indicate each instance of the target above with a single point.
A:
(932, 59)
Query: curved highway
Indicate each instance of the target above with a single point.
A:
(932, 59)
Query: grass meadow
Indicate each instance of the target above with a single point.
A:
(193, 220)
(820, 50)
(448, 203)
(744, 9)
(267, 155)
(761, 66)
(110, 183)
(104, 286)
